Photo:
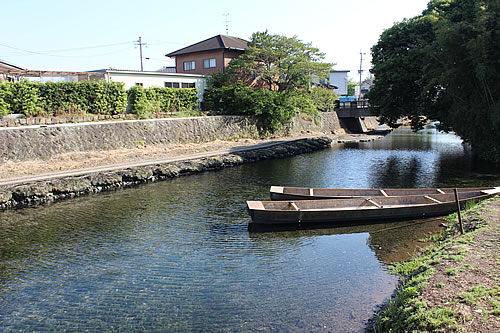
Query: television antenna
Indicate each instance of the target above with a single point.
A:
(227, 23)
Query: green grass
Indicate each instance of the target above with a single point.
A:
(477, 294)
(458, 258)
(406, 311)
(474, 295)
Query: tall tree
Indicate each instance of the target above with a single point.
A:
(280, 62)
(443, 65)
(398, 60)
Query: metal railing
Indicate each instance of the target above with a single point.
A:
(351, 109)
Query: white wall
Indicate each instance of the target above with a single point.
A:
(156, 79)
(339, 79)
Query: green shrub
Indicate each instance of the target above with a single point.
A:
(323, 99)
(59, 98)
(146, 101)
(26, 99)
(5, 99)
(273, 109)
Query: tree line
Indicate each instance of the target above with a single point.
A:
(443, 65)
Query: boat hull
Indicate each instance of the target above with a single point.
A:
(358, 210)
(348, 216)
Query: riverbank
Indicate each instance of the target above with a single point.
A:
(141, 153)
(70, 182)
(454, 284)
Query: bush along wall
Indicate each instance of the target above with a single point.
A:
(273, 108)
(147, 101)
(59, 98)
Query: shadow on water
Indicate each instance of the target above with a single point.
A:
(389, 240)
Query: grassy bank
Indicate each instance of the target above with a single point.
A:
(453, 285)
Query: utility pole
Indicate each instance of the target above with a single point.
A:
(360, 70)
(140, 43)
(227, 24)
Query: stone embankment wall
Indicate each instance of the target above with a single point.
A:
(14, 120)
(45, 191)
(46, 141)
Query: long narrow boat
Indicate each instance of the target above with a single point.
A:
(307, 193)
(359, 210)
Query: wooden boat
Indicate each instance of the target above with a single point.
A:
(360, 210)
(306, 193)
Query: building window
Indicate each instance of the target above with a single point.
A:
(139, 84)
(209, 63)
(189, 65)
(171, 84)
(188, 85)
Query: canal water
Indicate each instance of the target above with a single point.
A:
(177, 255)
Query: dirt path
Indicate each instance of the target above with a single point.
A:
(467, 282)
(88, 160)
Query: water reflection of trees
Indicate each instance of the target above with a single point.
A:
(391, 241)
(401, 171)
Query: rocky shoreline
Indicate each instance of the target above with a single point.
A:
(46, 191)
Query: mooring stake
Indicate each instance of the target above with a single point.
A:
(458, 211)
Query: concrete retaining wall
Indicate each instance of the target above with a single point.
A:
(44, 142)
(39, 192)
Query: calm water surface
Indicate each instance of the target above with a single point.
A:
(177, 255)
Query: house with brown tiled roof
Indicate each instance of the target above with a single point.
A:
(5, 68)
(209, 56)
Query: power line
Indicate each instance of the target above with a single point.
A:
(164, 42)
(90, 47)
(65, 56)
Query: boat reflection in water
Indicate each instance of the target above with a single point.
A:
(390, 240)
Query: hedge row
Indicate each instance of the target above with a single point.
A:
(58, 98)
(93, 97)
(147, 101)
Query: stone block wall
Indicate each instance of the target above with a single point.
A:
(46, 141)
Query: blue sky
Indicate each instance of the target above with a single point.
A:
(90, 34)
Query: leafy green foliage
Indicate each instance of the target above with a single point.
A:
(5, 98)
(323, 99)
(147, 101)
(51, 98)
(398, 65)
(280, 62)
(273, 108)
(443, 65)
(351, 87)
(26, 99)
(270, 81)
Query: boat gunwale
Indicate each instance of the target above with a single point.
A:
(277, 192)
(260, 205)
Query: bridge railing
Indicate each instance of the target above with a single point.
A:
(352, 109)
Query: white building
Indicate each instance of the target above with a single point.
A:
(339, 79)
(157, 79)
